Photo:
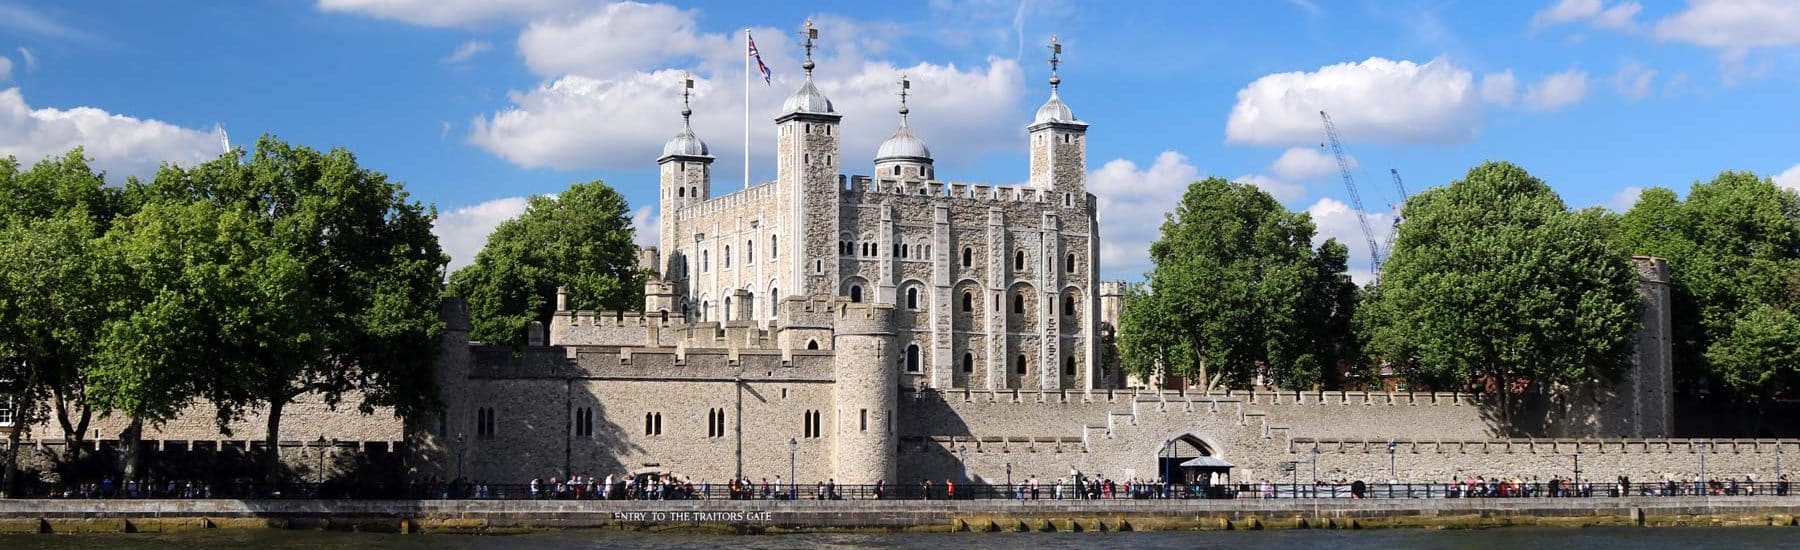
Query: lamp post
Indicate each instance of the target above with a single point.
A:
(793, 452)
(962, 458)
(460, 447)
(1009, 485)
(1700, 486)
(321, 468)
(1577, 471)
(1393, 473)
(1315, 469)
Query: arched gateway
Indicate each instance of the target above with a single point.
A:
(1189, 459)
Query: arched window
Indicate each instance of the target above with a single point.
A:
(1019, 260)
(1068, 304)
(1019, 364)
(774, 247)
(812, 345)
(912, 298)
(905, 251)
(694, 192)
(1069, 264)
(856, 294)
(726, 258)
(1019, 302)
(968, 362)
(912, 358)
(749, 252)
(1069, 366)
(727, 309)
(896, 169)
(681, 192)
(968, 304)
(774, 302)
(705, 262)
(968, 256)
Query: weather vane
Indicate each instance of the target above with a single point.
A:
(687, 88)
(810, 34)
(904, 86)
(1055, 60)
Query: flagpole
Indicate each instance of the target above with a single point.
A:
(746, 107)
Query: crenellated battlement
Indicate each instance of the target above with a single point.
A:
(760, 192)
(861, 188)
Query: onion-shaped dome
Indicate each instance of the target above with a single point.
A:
(686, 144)
(807, 100)
(1055, 111)
(903, 145)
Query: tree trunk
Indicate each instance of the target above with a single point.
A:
(12, 453)
(133, 441)
(272, 438)
(74, 432)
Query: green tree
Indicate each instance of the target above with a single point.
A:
(55, 292)
(1236, 291)
(1495, 287)
(1734, 259)
(580, 239)
(335, 273)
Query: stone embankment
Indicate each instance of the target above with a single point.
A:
(819, 516)
(446, 516)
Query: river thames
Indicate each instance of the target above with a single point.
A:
(1500, 539)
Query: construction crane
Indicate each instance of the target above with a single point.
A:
(1394, 230)
(1356, 203)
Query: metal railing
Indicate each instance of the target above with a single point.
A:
(914, 491)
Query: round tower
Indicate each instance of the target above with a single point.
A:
(867, 391)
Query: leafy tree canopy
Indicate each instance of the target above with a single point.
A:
(580, 239)
(1237, 291)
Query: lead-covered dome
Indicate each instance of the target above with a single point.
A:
(1055, 111)
(903, 145)
(686, 143)
(807, 99)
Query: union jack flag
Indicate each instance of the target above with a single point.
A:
(760, 67)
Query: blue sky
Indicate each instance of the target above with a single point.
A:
(476, 104)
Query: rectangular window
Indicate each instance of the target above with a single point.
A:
(6, 410)
(864, 424)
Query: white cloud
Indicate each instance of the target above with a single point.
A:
(646, 231)
(1335, 219)
(118, 144)
(1282, 190)
(1634, 80)
(1556, 91)
(1133, 203)
(1301, 164)
(453, 13)
(1622, 15)
(1734, 26)
(583, 122)
(1790, 179)
(30, 59)
(1500, 88)
(1624, 199)
(463, 231)
(1375, 100)
(466, 51)
(622, 37)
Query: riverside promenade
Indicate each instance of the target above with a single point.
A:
(759, 516)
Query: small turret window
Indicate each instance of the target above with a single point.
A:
(1019, 303)
(968, 363)
(1018, 260)
(912, 298)
(968, 302)
(896, 170)
(727, 257)
(968, 256)
(912, 358)
(812, 345)
(681, 192)
(1069, 264)
(1069, 366)
(1019, 364)
(856, 294)
(774, 247)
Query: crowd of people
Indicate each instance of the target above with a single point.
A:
(133, 488)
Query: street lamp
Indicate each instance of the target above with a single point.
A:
(793, 451)
(1315, 469)
(321, 468)
(1009, 485)
(460, 447)
(1577, 472)
(962, 458)
(1393, 473)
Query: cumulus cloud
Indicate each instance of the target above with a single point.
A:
(1634, 81)
(645, 228)
(466, 51)
(1334, 219)
(1790, 179)
(1734, 26)
(118, 144)
(636, 36)
(1624, 199)
(1621, 15)
(1375, 100)
(1133, 202)
(1499, 88)
(1301, 164)
(1282, 190)
(454, 13)
(463, 231)
(1556, 91)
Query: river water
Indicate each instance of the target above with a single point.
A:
(1515, 538)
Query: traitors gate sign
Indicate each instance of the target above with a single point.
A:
(688, 516)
